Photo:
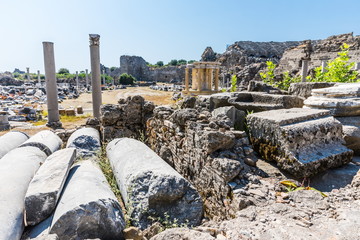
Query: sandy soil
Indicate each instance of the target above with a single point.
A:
(112, 96)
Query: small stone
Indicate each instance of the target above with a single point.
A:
(133, 233)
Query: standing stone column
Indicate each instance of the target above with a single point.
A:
(28, 74)
(87, 78)
(77, 81)
(194, 78)
(323, 66)
(95, 73)
(51, 87)
(186, 79)
(39, 79)
(357, 66)
(304, 69)
(216, 79)
(4, 122)
(103, 77)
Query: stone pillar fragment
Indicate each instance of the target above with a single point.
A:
(216, 80)
(4, 121)
(186, 79)
(86, 78)
(323, 66)
(86, 141)
(103, 77)
(17, 168)
(357, 66)
(304, 69)
(150, 186)
(10, 141)
(45, 188)
(45, 140)
(39, 79)
(77, 81)
(95, 74)
(87, 208)
(51, 87)
(28, 74)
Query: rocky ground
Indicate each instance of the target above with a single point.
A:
(278, 214)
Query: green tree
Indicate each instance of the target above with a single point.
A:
(112, 69)
(191, 61)
(182, 62)
(127, 79)
(160, 63)
(63, 71)
(173, 62)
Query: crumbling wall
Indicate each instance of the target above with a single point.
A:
(215, 159)
(126, 119)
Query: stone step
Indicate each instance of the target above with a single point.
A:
(301, 141)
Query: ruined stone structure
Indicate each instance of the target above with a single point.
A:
(137, 67)
(203, 149)
(321, 51)
(127, 119)
(204, 78)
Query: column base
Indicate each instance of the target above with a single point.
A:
(54, 125)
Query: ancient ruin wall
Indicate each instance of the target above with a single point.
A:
(206, 152)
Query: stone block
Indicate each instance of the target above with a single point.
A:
(236, 116)
(10, 141)
(303, 89)
(351, 132)
(45, 188)
(150, 186)
(301, 141)
(87, 208)
(341, 99)
(70, 112)
(257, 102)
(79, 110)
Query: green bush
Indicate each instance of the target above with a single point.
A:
(233, 83)
(269, 77)
(160, 63)
(63, 71)
(173, 62)
(127, 79)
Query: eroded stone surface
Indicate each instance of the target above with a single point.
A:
(151, 187)
(86, 141)
(301, 141)
(45, 140)
(11, 140)
(17, 168)
(45, 188)
(87, 207)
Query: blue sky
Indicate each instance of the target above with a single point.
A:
(159, 29)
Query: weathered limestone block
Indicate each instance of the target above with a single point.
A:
(257, 102)
(45, 188)
(351, 132)
(218, 100)
(301, 141)
(11, 140)
(17, 168)
(45, 140)
(151, 186)
(236, 116)
(87, 207)
(86, 141)
(340, 100)
(303, 89)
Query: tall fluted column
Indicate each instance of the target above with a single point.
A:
(87, 78)
(216, 80)
(95, 73)
(39, 79)
(28, 74)
(186, 79)
(51, 87)
(77, 81)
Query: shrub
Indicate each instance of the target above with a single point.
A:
(233, 83)
(160, 63)
(127, 79)
(63, 71)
